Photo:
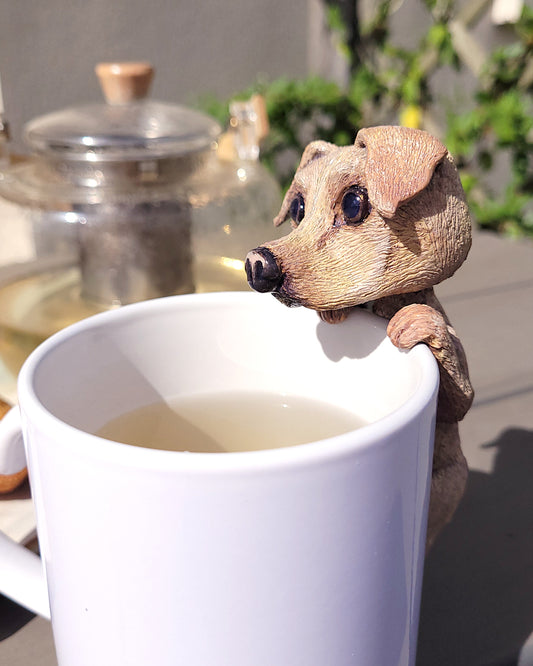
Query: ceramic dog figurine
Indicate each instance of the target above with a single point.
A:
(378, 224)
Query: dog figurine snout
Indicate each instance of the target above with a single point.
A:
(262, 270)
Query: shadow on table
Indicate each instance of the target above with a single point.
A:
(477, 600)
(12, 617)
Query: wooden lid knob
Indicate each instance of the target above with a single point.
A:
(124, 82)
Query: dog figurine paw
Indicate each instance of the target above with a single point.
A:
(379, 224)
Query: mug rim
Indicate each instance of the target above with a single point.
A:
(370, 435)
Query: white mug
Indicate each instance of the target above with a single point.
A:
(300, 556)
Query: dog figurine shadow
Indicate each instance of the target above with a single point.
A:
(379, 223)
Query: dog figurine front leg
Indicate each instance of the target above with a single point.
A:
(425, 322)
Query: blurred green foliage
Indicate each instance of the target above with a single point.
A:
(496, 136)
(391, 85)
(299, 111)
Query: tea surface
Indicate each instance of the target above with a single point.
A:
(229, 422)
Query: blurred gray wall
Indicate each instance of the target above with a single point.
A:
(48, 49)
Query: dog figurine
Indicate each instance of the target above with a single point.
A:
(379, 224)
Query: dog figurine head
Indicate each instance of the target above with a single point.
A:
(385, 216)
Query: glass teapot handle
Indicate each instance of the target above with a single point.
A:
(21, 572)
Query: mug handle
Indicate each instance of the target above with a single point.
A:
(21, 571)
(12, 456)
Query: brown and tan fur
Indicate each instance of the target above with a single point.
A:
(416, 234)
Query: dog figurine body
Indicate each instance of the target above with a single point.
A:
(379, 224)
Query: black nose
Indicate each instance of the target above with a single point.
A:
(262, 270)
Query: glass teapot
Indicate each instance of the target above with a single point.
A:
(125, 201)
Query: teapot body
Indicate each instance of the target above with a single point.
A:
(119, 203)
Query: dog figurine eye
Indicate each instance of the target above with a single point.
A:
(354, 206)
(297, 209)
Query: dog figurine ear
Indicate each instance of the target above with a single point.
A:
(400, 163)
(312, 152)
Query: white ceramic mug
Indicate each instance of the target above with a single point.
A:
(300, 556)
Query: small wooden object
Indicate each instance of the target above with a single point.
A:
(124, 82)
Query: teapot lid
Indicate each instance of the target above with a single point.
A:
(128, 127)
